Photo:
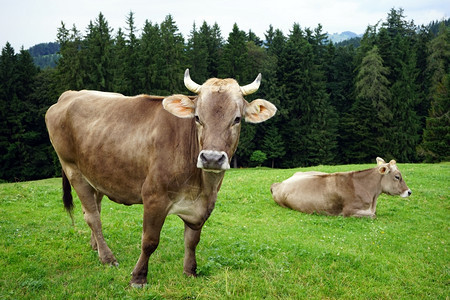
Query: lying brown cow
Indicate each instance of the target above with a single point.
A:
(168, 155)
(346, 194)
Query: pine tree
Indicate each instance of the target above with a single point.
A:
(119, 54)
(310, 122)
(235, 56)
(198, 54)
(97, 51)
(126, 56)
(173, 54)
(132, 71)
(340, 73)
(370, 115)
(71, 65)
(424, 37)
(273, 144)
(436, 136)
(21, 133)
(252, 37)
(32, 140)
(44, 161)
(395, 42)
(256, 56)
(215, 45)
(277, 42)
(205, 46)
(8, 113)
(151, 58)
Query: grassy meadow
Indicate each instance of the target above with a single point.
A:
(250, 247)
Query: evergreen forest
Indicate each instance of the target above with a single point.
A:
(387, 95)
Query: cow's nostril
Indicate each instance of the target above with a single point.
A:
(221, 159)
(409, 192)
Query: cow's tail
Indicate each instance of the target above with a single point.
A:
(67, 195)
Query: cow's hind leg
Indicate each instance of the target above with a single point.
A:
(191, 240)
(90, 200)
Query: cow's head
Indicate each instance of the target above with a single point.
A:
(218, 110)
(392, 182)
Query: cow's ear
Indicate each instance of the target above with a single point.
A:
(180, 106)
(380, 161)
(259, 110)
(384, 169)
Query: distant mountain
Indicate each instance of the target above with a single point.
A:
(45, 55)
(339, 37)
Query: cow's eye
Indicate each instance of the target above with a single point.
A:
(237, 120)
(197, 120)
(397, 177)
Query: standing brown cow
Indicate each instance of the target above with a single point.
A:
(168, 155)
(344, 193)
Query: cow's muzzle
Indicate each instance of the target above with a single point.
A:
(213, 161)
(406, 193)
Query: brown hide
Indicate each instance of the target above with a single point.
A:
(347, 193)
(168, 155)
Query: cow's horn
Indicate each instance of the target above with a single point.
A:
(190, 84)
(252, 87)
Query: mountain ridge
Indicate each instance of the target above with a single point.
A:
(340, 37)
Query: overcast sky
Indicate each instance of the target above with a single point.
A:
(29, 22)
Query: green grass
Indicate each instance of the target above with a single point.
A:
(250, 248)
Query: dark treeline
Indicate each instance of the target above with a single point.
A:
(388, 96)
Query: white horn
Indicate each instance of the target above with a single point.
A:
(252, 87)
(190, 84)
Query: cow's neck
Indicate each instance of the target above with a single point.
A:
(212, 180)
(370, 180)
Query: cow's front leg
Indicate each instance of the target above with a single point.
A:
(191, 240)
(154, 216)
(363, 213)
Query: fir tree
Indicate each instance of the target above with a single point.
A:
(119, 54)
(311, 122)
(21, 133)
(97, 52)
(370, 115)
(273, 144)
(214, 41)
(173, 55)
(395, 42)
(436, 136)
(151, 58)
(235, 56)
(198, 54)
(8, 110)
(71, 65)
(132, 70)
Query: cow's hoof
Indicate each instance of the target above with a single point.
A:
(137, 285)
(190, 274)
(108, 259)
(114, 264)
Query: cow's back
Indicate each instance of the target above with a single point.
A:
(114, 140)
(308, 192)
